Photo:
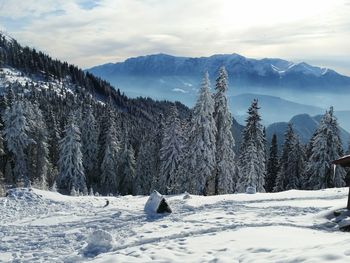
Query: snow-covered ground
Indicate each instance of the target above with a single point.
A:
(292, 226)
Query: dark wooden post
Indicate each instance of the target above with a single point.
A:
(344, 162)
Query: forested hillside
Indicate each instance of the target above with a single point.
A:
(44, 101)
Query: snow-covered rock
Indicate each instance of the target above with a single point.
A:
(250, 190)
(156, 203)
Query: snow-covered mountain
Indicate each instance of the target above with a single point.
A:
(164, 73)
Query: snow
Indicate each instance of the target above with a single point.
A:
(300, 67)
(291, 226)
(179, 90)
(10, 75)
(99, 242)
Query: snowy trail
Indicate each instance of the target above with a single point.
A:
(48, 227)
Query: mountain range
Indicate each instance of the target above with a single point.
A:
(169, 77)
(243, 71)
(284, 89)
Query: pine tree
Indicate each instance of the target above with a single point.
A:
(326, 147)
(71, 172)
(201, 156)
(252, 152)
(126, 167)
(16, 135)
(109, 165)
(272, 165)
(170, 153)
(89, 139)
(226, 179)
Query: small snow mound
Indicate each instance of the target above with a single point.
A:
(250, 190)
(24, 194)
(99, 242)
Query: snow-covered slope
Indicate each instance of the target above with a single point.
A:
(10, 75)
(39, 226)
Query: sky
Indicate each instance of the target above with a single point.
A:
(94, 32)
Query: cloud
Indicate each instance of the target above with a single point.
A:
(91, 32)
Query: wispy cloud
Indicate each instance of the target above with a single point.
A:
(90, 32)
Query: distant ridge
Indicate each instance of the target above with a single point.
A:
(268, 72)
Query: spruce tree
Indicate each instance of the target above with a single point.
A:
(38, 164)
(326, 147)
(54, 137)
(252, 152)
(201, 156)
(158, 137)
(272, 165)
(225, 178)
(126, 167)
(291, 163)
(145, 167)
(16, 134)
(109, 178)
(89, 139)
(170, 153)
(71, 171)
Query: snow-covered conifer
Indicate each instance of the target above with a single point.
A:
(291, 163)
(145, 167)
(16, 134)
(252, 153)
(201, 151)
(71, 171)
(89, 141)
(272, 165)
(126, 167)
(326, 147)
(155, 153)
(226, 177)
(170, 153)
(109, 165)
(38, 163)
